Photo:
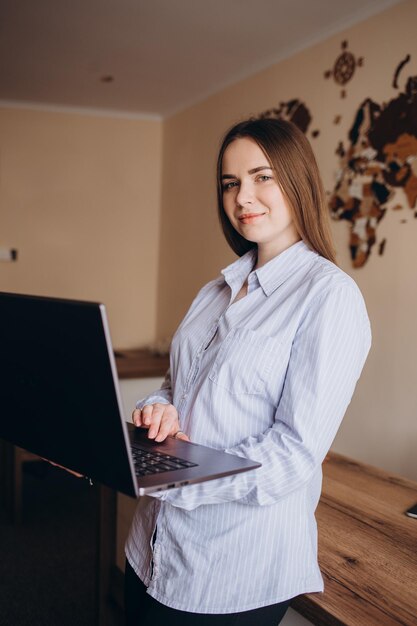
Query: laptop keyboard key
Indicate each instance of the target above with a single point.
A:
(147, 462)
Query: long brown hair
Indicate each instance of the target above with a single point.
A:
(292, 159)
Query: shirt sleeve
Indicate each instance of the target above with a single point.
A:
(162, 395)
(327, 357)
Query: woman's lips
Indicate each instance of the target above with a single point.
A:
(249, 218)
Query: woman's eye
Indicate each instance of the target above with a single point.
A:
(264, 177)
(230, 185)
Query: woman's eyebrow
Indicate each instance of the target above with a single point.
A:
(253, 171)
(259, 169)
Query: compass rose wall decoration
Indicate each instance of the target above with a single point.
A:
(344, 67)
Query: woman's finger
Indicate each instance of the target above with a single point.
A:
(136, 417)
(169, 422)
(154, 424)
(147, 412)
(160, 419)
(169, 425)
(182, 436)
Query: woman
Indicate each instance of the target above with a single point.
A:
(263, 365)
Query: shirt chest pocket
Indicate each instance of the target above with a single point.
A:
(245, 362)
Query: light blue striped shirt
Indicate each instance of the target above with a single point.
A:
(268, 377)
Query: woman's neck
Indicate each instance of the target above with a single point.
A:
(266, 252)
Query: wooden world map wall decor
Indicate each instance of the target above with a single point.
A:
(293, 111)
(378, 160)
(344, 67)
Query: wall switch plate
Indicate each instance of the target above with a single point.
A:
(8, 254)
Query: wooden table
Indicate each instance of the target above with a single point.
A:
(367, 548)
(140, 363)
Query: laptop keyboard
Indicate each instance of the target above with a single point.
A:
(147, 462)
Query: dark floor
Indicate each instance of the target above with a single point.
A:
(47, 562)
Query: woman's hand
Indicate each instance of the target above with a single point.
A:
(161, 420)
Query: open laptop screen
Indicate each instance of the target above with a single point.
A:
(56, 377)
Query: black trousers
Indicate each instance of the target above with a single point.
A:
(143, 610)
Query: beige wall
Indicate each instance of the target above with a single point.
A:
(381, 424)
(80, 200)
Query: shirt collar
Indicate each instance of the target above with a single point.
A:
(272, 274)
(236, 273)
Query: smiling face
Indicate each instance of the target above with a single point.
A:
(253, 200)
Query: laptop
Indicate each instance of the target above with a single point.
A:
(60, 399)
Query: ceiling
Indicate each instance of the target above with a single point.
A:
(155, 57)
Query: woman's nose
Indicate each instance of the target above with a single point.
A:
(245, 195)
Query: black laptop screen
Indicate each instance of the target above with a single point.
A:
(57, 395)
